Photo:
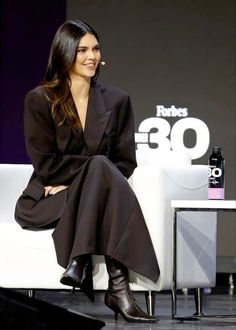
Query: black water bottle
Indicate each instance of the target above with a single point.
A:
(216, 174)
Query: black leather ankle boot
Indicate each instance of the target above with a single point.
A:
(79, 274)
(119, 297)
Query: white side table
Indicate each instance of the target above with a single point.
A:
(194, 205)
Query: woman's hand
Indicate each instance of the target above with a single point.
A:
(52, 190)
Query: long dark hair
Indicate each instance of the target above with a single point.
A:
(62, 56)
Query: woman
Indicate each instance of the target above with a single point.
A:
(79, 136)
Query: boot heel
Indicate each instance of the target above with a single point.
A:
(79, 274)
(87, 284)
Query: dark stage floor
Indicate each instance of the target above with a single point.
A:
(217, 302)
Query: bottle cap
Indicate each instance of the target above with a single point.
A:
(216, 149)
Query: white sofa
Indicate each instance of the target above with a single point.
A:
(160, 178)
(156, 181)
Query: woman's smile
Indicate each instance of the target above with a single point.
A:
(87, 58)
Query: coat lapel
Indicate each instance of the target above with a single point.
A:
(96, 120)
(63, 136)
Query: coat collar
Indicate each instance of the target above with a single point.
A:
(96, 119)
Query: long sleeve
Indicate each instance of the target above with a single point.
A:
(123, 153)
(50, 165)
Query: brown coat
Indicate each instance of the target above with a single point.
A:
(98, 213)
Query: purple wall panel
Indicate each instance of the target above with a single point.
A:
(26, 32)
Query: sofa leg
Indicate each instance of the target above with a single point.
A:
(31, 293)
(150, 301)
(198, 294)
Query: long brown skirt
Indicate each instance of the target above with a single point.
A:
(98, 214)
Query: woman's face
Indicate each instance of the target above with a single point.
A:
(87, 58)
